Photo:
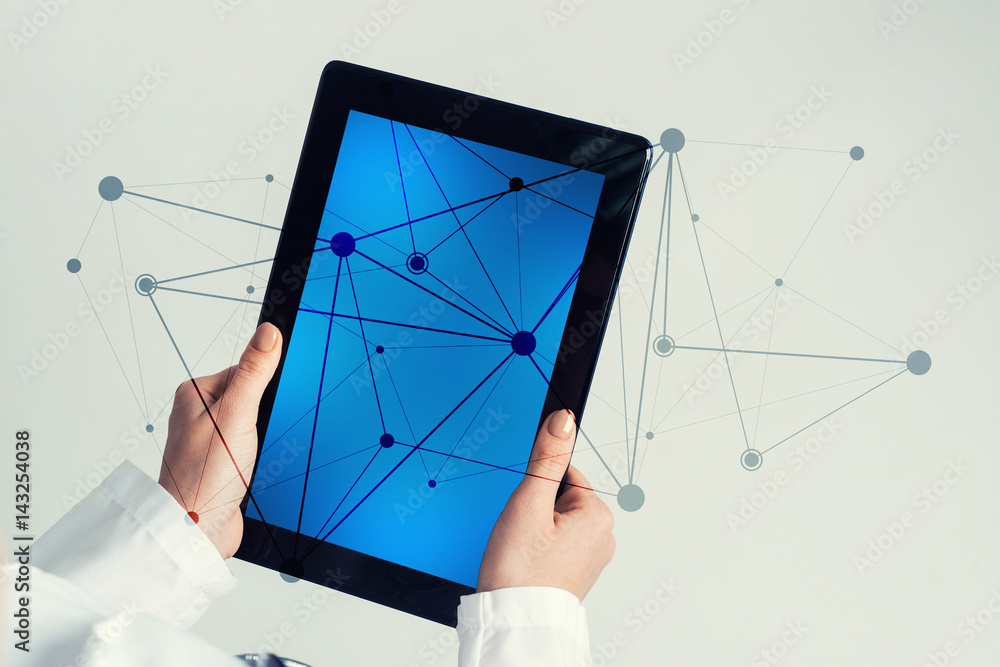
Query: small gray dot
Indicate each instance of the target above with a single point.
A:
(145, 284)
(149, 428)
(857, 153)
(269, 178)
(695, 217)
(110, 188)
(751, 459)
(919, 362)
(672, 140)
(631, 498)
(73, 265)
(779, 282)
(649, 435)
(249, 289)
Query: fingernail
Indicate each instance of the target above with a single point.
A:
(265, 337)
(561, 424)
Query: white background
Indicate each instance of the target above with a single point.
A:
(794, 562)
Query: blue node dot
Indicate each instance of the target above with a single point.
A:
(431, 483)
(857, 153)
(379, 349)
(73, 265)
(269, 178)
(919, 362)
(386, 440)
(672, 140)
(149, 428)
(523, 343)
(110, 188)
(417, 262)
(342, 244)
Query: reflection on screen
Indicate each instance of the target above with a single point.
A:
(431, 316)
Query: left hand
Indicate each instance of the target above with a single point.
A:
(207, 476)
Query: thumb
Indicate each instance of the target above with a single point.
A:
(255, 369)
(549, 459)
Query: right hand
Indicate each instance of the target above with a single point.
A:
(541, 541)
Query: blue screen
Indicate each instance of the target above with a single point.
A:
(431, 315)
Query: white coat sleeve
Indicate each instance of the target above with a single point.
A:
(129, 542)
(523, 626)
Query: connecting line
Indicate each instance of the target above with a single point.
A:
(472, 420)
(178, 229)
(409, 427)
(517, 238)
(649, 331)
(131, 319)
(419, 286)
(354, 224)
(601, 458)
(316, 538)
(319, 467)
(415, 448)
(763, 377)
(239, 266)
(832, 411)
(450, 209)
(552, 199)
(667, 199)
(85, 236)
(464, 224)
(559, 296)
(319, 399)
(260, 230)
(108, 338)
(477, 308)
(847, 321)
(399, 166)
(621, 346)
(361, 324)
(215, 425)
(460, 226)
(722, 339)
(727, 311)
(788, 354)
(540, 372)
(220, 215)
(726, 241)
(786, 148)
(792, 260)
(340, 315)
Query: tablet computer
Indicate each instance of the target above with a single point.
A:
(441, 283)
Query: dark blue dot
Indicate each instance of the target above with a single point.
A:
(379, 349)
(417, 262)
(431, 483)
(386, 440)
(516, 184)
(523, 343)
(342, 244)
(73, 265)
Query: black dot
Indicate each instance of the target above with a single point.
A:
(379, 349)
(291, 568)
(386, 440)
(516, 184)
(431, 483)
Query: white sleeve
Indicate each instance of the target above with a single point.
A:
(524, 626)
(128, 541)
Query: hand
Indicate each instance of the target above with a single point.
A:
(541, 541)
(200, 470)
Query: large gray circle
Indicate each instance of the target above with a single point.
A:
(110, 188)
(631, 497)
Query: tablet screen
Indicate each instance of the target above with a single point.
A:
(430, 319)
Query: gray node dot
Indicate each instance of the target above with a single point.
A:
(649, 435)
(751, 459)
(663, 346)
(145, 284)
(672, 140)
(110, 188)
(73, 265)
(778, 282)
(269, 178)
(695, 217)
(149, 428)
(919, 362)
(249, 289)
(857, 153)
(631, 497)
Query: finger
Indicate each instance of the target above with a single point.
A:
(254, 371)
(577, 491)
(549, 458)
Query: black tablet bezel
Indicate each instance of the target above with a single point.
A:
(623, 159)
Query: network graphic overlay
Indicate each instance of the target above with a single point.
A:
(644, 408)
(422, 352)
